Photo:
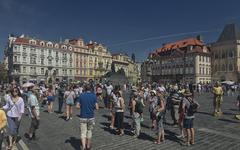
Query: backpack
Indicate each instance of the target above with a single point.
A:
(139, 107)
(192, 108)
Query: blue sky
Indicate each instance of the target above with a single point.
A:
(125, 26)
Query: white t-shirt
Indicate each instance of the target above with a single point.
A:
(109, 89)
(69, 94)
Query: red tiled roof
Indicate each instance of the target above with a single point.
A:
(180, 44)
(22, 40)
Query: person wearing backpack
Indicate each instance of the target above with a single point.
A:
(159, 110)
(137, 110)
(69, 96)
(60, 98)
(189, 107)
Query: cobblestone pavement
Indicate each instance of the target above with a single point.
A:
(211, 133)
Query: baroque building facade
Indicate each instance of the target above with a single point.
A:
(187, 60)
(30, 59)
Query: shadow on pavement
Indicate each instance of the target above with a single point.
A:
(172, 136)
(204, 113)
(229, 121)
(75, 143)
(144, 136)
(106, 128)
(107, 116)
(229, 113)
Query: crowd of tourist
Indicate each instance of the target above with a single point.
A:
(178, 99)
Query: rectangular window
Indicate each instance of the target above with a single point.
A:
(42, 61)
(24, 49)
(15, 58)
(24, 69)
(42, 70)
(49, 62)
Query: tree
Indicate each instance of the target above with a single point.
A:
(113, 67)
(3, 73)
(133, 57)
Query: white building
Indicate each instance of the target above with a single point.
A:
(33, 59)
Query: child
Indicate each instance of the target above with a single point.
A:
(3, 123)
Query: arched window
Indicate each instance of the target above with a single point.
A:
(223, 67)
(231, 53)
(216, 68)
(223, 54)
(230, 67)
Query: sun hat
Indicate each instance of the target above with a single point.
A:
(153, 91)
(187, 93)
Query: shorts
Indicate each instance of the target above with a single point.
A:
(86, 127)
(188, 123)
(70, 102)
(50, 98)
(160, 125)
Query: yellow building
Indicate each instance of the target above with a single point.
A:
(92, 60)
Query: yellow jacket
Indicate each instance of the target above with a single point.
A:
(218, 90)
(3, 119)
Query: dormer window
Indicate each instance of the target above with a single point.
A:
(56, 46)
(42, 43)
(49, 44)
(33, 42)
(64, 47)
